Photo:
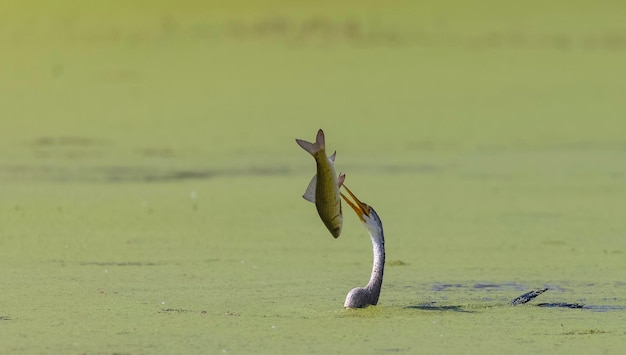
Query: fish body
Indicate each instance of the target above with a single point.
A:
(323, 190)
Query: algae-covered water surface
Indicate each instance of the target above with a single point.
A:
(150, 185)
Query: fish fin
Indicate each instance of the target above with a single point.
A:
(312, 148)
(340, 179)
(309, 194)
(332, 157)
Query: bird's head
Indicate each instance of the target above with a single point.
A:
(365, 212)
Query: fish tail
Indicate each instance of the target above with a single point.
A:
(313, 148)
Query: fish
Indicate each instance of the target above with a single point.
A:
(323, 190)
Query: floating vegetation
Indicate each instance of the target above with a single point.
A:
(123, 263)
(432, 306)
(585, 332)
(124, 174)
(174, 310)
(561, 305)
(397, 263)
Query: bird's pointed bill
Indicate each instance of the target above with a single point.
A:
(361, 209)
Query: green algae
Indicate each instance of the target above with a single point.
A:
(151, 186)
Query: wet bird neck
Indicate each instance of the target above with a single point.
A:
(376, 280)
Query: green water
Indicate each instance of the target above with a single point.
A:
(150, 183)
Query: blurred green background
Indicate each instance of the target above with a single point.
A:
(223, 81)
(150, 185)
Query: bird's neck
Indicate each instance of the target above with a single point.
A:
(376, 280)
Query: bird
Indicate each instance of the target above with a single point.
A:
(361, 297)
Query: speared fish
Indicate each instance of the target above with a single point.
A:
(323, 190)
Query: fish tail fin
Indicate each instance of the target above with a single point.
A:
(313, 148)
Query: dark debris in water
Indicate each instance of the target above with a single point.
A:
(561, 305)
(434, 307)
(586, 332)
(498, 286)
(441, 287)
(174, 310)
(5, 318)
(605, 308)
(527, 297)
(522, 299)
(479, 286)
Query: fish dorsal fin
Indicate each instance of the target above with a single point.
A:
(309, 194)
(332, 157)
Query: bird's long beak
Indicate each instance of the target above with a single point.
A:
(359, 207)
